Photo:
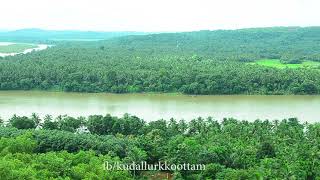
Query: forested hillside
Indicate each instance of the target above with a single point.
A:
(202, 62)
(230, 149)
(292, 43)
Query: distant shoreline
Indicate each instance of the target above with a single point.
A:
(29, 50)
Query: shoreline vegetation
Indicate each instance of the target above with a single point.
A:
(133, 93)
(230, 149)
(296, 85)
(152, 93)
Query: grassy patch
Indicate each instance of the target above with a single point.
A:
(16, 48)
(276, 63)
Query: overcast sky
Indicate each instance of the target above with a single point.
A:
(156, 15)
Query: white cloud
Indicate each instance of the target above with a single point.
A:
(156, 15)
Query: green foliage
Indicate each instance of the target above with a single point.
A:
(23, 144)
(22, 122)
(57, 165)
(19, 160)
(230, 149)
(243, 45)
(126, 125)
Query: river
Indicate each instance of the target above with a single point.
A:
(39, 47)
(156, 106)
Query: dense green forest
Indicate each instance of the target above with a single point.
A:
(75, 148)
(290, 44)
(205, 62)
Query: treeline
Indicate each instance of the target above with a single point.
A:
(68, 147)
(92, 70)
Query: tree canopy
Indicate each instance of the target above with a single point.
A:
(230, 149)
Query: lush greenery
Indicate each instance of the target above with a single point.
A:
(205, 62)
(16, 48)
(76, 148)
(286, 43)
(89, 70)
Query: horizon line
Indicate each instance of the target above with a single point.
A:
(137, 31)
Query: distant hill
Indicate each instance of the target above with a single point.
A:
(286, 43)
(289, 44)
(33, 34)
